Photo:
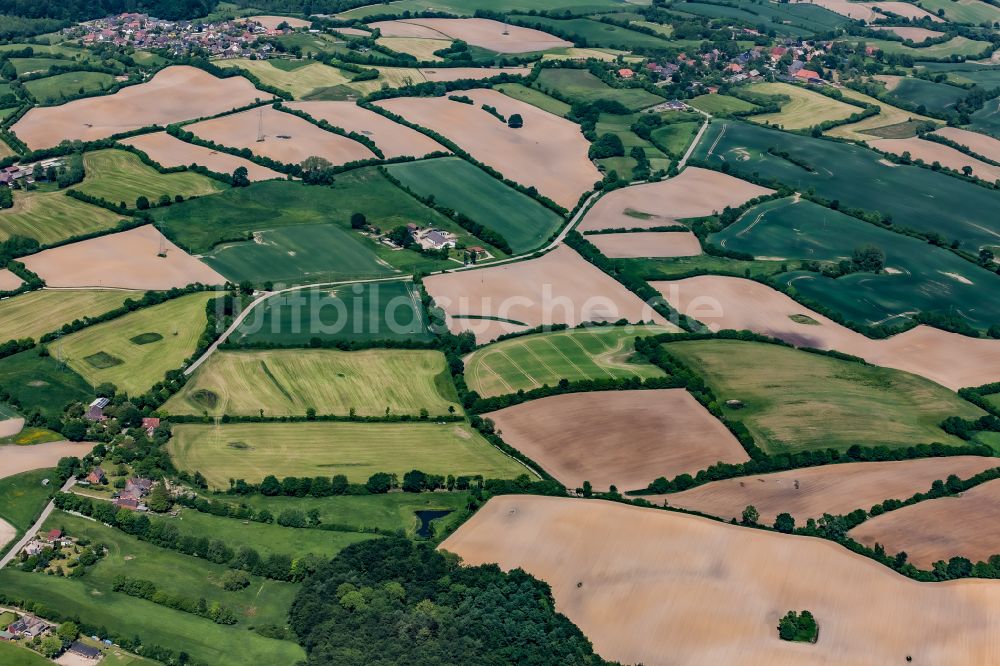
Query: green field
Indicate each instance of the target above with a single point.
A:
(784, 18)
(14, 655)
(964, 11)
(53, 89)
(987, 76)
(359, 312)
(923, 277)
(469, 7)
(534, 97)
(34, 65)
(42, 383)
(806, 108)
(458, 185)
(987, 119)
(914, 197)
(990, 439)
(582, 86)
(938, 98)
(798, 401)
(202, 639)
(106, 352)
(716, 104)
(35, 313)
(674, 138)
(287, 382)
(118, 175)
(49, 217)
(22, 498)
(531, 361)
(300, 78)
(588, 32)
(608, 123)
(956, 46)
(252, 451)
(879, 124)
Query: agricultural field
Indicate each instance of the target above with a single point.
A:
(977, 143)
(621, 126)
(18, 458)
(300, 78)
(117, 175)
(805, 107)
(458, 185)
(134, 352)
(170, 152)
(931, 152)
(485, 33)
(535, 360)
(937, 98)
(34, 65)
(54, 89)
(580, 85)
(587, 32)
(49, 217)
(36, 313)
(674, 138)
(798, 401)
(252, 451)
(963, 11)
(22, 498)
(288, 382)
(393, 139)
(647, 244)
(888, 116)
(727, 586)
(984, 74)
(987, 119)
(956, 46)
(469, 7)
(791, 19)
(620, 439)
(42, 383)
(721, 105)
(420, 48)
(9, 281)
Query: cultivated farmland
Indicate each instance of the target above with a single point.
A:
(9, 281)
(36, 313)
(582, 86)
(484, 33)
(254, 450)
(42, 383)
(289, 382)
(946, 156)
(420, 48)
(393, 139)
(272, 22)
(16, 459)
(935, 97)
(981, 144)
(647, 244)
(49, 217)
(476, 73)
(117, 175)
(300, 78)
(170, 151)
(805, 107)
(611, 567)
(618, 438)
(53, 89)
(888, 116)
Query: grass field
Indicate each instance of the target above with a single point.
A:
(987, 119)
(987, 76)
(582, 86)
(287, 382)
(806, 108)
(202, 639)
(52, 89)
(118, 175)
(34, 65)
(588, 32)
(22, 498)
(252, 451)
(673, 139)
(923, 277)
(298, 77)
(469, 7)
(785, 19)
(888, 115)
(718, 105)
(798, 401)
(455, 183)
(14, 655)
(35, 313)
(529, 362)
(106, 352)
(534, 97)
(963, 11)
(42, 383)
(990, 439)
(49, 217)
(956, 46)
(914, 197)
(621, 126)
(935, 97)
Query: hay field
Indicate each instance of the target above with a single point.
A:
(484, 33)
(118, 175)
(813, 491)
(950, 359)
(558, 288)
(126, 260)
(419, 47)
(655, 587)
(458, 73)
(170, 152)
(108, 353)
(618, 438)
(806, 108)
(9, 281)
(548, 153)
(287, 382)
(253, 450)
(393, 139)
(796, 401)
(299, 78)
(531, 361)
(887, 115)
(174, 94)
(15, 459)
(940, 529)
(647, 244)
(49, 217)
(693, 192)
(931, 152)
(982, 144)
(35, 313)
(301, 139)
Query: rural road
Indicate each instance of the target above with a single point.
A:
(30, 532)
(697, 139)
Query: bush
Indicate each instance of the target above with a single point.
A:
(233, 581)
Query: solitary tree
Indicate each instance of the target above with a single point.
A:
(515, 121)
(784, 523)
(241, 177)
(358, 221)
(750, 515)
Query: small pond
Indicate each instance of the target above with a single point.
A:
(426, 517)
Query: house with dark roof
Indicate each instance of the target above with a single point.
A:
(85, 651)
(96, 410)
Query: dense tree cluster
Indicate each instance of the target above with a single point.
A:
(84, 10)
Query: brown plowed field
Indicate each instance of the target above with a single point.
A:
(693, 192)
(457, 73)
(647, 244)
(813, 491)
(15, 458)
(656, 587)
(485, 33)
(171, 152)
(931, 152)
(273, 22)
(978, 143)
(720, 302)
(172, 95)
(620, 438)
(940, 529)
(548, 152)
(916, 34)
(394, 139)
(9, 281)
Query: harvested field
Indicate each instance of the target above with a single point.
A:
(10, 425)
(548, 153)
(806, 108)
(170, 152)
(656, 587)
(172, 95)
(272, 22)
(35, 313)
(904, 9)
(949, 359)
(15, 459)
(692, 193)
(916, 34)
(813, 491)
(978, 143)
(484, 33)
(49, 217)
(300, 78)
(126, 260)
(558, 288)
(418, 47)
(394, 139)
(618, 438)
(458, 73)
(930, 152)
(9, 281)
(647, 244)
(287, 138)
(940, 529)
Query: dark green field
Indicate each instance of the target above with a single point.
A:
(588, 32)
(912, 196)
(785, 19)
(469, 7)
(986, 76)
(456, 184)
(937, 98)
(42, 383)
(22, 498)
(987, 119)
(582, 86)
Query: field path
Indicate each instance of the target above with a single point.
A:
(697, 139)
(31, 531)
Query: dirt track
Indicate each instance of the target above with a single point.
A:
(393, 139)
(170, 152)
(647, 244)
(485, 33)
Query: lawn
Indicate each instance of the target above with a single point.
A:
(588, 32)
(300, 78)
(534, 97)
(912, 196)
(582, 86)
(49, 217)
(935, 97)
(14, 655)
(956, 46)
(118, 175)
(964, 11)
(531, 361)
(923, 277)
(252, 451)
(806, 108)
(718, 105)
(52, 89)
(202, 639)
(455, 183)
(288, 382)
(359, 312)
(42, 383)
(22, 498)
(35, 313)
(798, 401)
(107, 353)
